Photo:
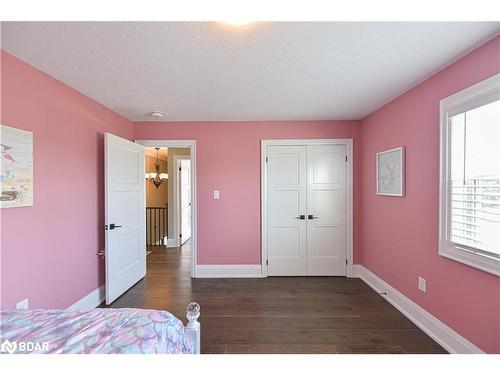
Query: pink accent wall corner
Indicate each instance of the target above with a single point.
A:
(48, 251)
(400, 235)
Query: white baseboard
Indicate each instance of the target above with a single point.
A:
(91, 300)
(228, 271)
(436, 329)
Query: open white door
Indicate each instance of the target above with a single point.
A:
(125, 215)
(185, 182)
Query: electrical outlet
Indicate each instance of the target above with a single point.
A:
(23, 305)
(216, 194)
(421, 284)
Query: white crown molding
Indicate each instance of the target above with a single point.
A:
(436, 329)
(228, 271)
(91, 300)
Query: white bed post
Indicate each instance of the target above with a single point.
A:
(193, 328)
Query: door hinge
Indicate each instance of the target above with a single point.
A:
(267, 262)
(346, 262)
(267, 159)
(346, 158)
(180, 168)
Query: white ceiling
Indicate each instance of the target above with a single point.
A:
(263, 71)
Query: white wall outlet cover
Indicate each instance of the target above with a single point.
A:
(216, 194)
(23, 305)
(421, 284)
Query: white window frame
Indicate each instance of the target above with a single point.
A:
(472, 97)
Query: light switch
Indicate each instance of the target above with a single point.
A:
(216, 194)
(422, 284)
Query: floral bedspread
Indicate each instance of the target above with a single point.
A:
(96, 331)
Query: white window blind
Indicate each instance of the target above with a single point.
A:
(474, 188)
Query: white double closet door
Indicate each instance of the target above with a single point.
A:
(307, 210)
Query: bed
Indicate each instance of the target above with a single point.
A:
(99, 331)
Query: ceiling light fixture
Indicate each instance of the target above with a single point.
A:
(156, 114)
(238, 22)
(157, 178)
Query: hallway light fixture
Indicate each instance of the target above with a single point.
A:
(157, 178)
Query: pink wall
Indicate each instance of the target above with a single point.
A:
(405, 244)
(228, 159)
(49, 250)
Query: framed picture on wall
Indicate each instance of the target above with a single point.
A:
(391, 172)
(16, 167)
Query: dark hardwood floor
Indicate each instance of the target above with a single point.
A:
(277, 314)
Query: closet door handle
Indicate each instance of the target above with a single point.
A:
(310, 217)
(301, 217)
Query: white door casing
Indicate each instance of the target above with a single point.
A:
(328, 178)
(125, 215)
(185, 199)
(326, 209)
(287, 202)
(191, 145)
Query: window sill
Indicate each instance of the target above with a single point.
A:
(471, 259)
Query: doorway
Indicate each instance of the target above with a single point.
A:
(180, 188)
(127, 178)
(156, 162)
(307, 207)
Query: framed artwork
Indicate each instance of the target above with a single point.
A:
(16, 167)
(391, 172)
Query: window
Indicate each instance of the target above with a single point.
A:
(470, 176)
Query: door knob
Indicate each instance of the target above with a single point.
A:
(301, 217)
(113, 226)
(310, 217)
